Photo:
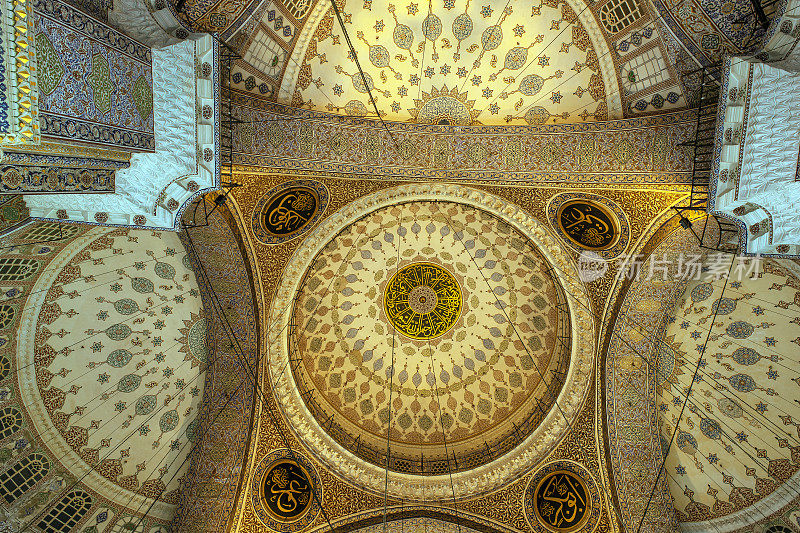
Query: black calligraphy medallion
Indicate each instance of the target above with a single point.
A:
(588, 224)
(286, 491)
(422, 300)
(562, 501)
(288, 210)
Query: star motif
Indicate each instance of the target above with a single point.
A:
(536, 11)
(379, 25)
(486, 11)
(494, 109)
(544, 61)
(476, 80)
(487, 92)
(555, 24)
(337, 90)
(335, 39)
(445, 69)
(556, 98)
(519, 30)
(429, 72)
(413, 8)
(462, 72)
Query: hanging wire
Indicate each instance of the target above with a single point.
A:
(391, 390)
(683, 407)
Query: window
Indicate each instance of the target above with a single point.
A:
(23, 475)
(644, 71)
(49, 230)
(298, 8)
(5, 367)
(7, 313)
(16, 269)
(617, 15)
(67, 512)
(10, 422)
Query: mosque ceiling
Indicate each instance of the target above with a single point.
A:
(409, 289)
(456, 63)
(490, 62)
(104, 355)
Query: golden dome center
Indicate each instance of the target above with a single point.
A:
(422, 300)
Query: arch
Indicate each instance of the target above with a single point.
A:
(10, 422)
(617, 15)
(365, 522)
(66, 514)
(22, 476)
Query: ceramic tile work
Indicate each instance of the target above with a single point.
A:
(95, 84)
(627, 151)
(708, 29)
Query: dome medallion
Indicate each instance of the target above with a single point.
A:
(433, 327)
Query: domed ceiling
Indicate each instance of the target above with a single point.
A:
(454, 62)
(460, 305)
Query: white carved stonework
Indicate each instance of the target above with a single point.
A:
(781, 42)
(150, 22)
(154, 190)
(755, 179)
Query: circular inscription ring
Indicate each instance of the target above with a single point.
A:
(284, 485)
(288, 210)
(589, 221)
(562, 497)
(422, 300)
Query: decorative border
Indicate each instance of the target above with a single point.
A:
(263, 235)
(469, 483)
(590, 522)
(623, 226)
(263, 514)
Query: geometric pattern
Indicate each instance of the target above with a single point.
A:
(453, 62)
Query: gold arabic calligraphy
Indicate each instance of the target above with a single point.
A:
(587, 225)
(287, 491)
(290, 211)
(561, 501)
(422, 300)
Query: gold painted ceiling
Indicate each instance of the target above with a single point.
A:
(455, 62)
(460, 305)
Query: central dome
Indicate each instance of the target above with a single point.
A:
(436, 322)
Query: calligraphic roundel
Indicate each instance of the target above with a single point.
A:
(562, 497)
(588, 224)
(283, 491)
(422, 300)
(288, 210)
(562, 501)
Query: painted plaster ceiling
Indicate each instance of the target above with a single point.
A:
(111, 353)
(453, 62)
(459, 304)
(739, 438)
